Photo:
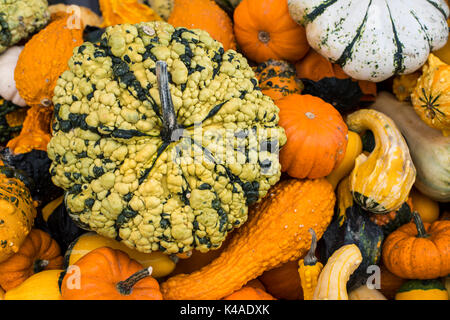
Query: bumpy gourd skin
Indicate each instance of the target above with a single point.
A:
(21, 18)
(127, 180)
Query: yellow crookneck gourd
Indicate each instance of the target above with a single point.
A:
(332, 283)
(381, 181)
(309, 269)
(354, 149)
(40, 286)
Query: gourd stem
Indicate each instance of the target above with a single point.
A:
(127, 285)
(168, 111)
(310, 258)
(421, 233)
(40, 265)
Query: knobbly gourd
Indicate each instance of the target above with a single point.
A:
(77, 14)
(431, 96)
(205, 15)
(317, 136)
(373, 40)
(418, 250)
(249, 293)
(8, 90)
(122, 278)
(38, 68)
(12, 117)
(309, 269)
(17, 211)
(39, 286)
(162, 265)
(162, 7)
(126, 11)
(366, 293)
(37, 253)
(264, 30)
(381, 181)
(328, 81)
(277, 79)
(422, 290)
(426, 207)
(404, 85)
(21, 18)
(277, 232)
(157, 176)
(429, 149)
(332, 282)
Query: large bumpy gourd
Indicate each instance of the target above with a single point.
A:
(277, 232)
(381, 181)
(162, 166)
(373, 40)
(19, 19)
(17, 212)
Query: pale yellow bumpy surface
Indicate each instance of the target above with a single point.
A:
(381, 181)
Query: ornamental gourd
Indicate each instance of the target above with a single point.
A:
(429, 149)
(264, 30)
(309, 269)
(373, 40)
(277, 232)
(39, 65)
(205, 15)
(283, 282)
(8, 90)
(21, 18)
(162, 7)
(37, 253)
(40, 286)
(77, 14)
(431, 96)
(317, 136)
(12, 117)
(426, 207)
(366, 293)
(404, 85)
(249, 293)
(381, 181)
(125, 11)
(422, 290)
(149, 156)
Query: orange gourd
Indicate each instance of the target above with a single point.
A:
(389, 283)
(283, 282)
(109, 274)
(249, 293)
(276, 232)
(418, 250)
(277, 79)
(44, 58)
(126, 11)
(426, 207)
(38, 252)
(35, 133)
(205, 15)
(264, 30)
(316, 136)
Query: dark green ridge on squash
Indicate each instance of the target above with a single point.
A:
(319, 10)
(5, 32)
(422, 285)
(398, 55)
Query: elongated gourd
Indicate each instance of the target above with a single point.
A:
(40, 286)
(366, 293)
(309, 269)
(430, 150)
(354, 149)
(381, 182)
(332, 283)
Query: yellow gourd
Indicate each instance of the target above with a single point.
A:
(365, 293)
(354, 149)
(332, 283)
(161, 263)
(427, 208)
(422, 290)
(309, 269)
(40, 286)
(403, 85)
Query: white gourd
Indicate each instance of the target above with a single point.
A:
(374, 39)
(8, 90)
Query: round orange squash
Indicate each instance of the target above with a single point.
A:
(264, 30)
(390, 283)
(205, 15)
(283, 282)
(316, 136)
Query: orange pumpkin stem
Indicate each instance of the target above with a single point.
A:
(421, 233)
(126, 286)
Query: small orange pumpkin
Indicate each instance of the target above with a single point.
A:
(121, 278)
(264, 30)
(205, 15)
(418, 250)
(38, 252)
(283, 282)
(316, 136)
(249, 293)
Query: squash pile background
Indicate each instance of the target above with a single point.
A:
(362, 182)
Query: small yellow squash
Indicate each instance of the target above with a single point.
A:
(366, 293)
(422, 290)
(426, 207)
(332, 283)
(381, 182)
(40, 286)
(309, 269)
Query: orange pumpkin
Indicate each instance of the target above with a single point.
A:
(121, 278)
(283, 282)
(264, 30)
(38, 252)
(205, 15)
(418, 250)
(44, 58)
(316, 136)
(277, 79)
(249, 293)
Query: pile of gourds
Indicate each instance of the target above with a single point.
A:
(113, 183)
